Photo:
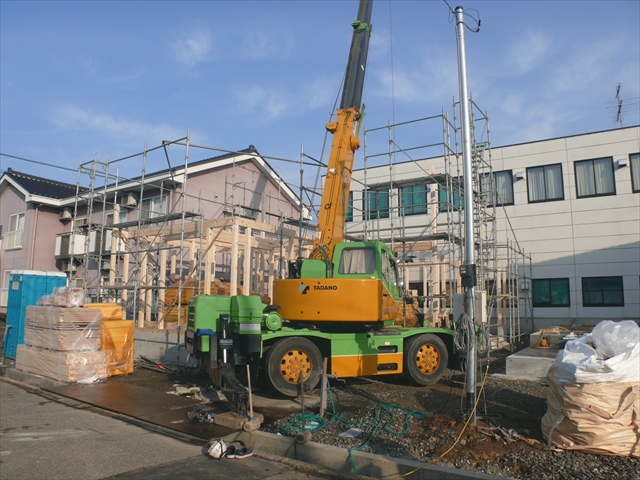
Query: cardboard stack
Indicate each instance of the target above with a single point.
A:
(62, 340)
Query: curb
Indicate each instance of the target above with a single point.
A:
(336, 460)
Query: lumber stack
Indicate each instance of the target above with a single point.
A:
(69, 367)
(60, 328)
(62, 343)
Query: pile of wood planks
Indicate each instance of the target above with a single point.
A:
(63, 343)
(69, 367)
(60, 328)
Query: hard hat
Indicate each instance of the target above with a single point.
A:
(217, 449)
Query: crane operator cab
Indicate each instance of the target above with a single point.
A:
(361, 284)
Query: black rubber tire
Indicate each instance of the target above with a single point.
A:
(425, 359)
(303, 354)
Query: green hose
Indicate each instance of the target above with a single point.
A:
(383, 410)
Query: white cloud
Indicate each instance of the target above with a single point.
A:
(268, 101)
(321, 93)
(528, 52)
(258, 45)
(431, 79)
(272, 103)
(194, 48)
(585, 64)
(123, 131)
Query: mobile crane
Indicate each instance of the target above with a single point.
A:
(341, 303)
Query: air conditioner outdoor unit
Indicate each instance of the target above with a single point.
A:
(65, 214)
(105, 265)
(130, 199)
(68, 266)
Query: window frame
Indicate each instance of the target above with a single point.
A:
(635, 172)
(602, 291)
(348, 216)
(544, 177)
(150, 213)
(380, 213)
(551, 303)
(592, 160)
(414, 208)
(10, 236)
(454, 198)
(492, 200)
(4, 290)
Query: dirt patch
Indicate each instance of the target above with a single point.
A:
(400, 420)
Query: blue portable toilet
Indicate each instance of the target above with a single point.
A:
(25, 288)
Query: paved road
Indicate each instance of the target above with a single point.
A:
(43, 439)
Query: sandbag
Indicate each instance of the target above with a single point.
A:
(593, 400)
(599, 418)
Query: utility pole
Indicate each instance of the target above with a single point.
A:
(467, 271)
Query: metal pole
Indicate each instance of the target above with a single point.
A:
(301, 200)
(469, 243)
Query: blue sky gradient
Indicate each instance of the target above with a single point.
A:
(79, 79)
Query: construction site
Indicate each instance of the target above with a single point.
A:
(154, 264)
(373, 318)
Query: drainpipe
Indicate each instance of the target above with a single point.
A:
(33, 237)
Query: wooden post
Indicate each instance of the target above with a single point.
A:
(271, 272)
(192, 255)
(142, 275)
(207, 263)
(235, 233)
(125, 279)
(163, 283)
(172, 267)
(246, 281)
(112, 261)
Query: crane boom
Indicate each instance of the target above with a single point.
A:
(345, 128)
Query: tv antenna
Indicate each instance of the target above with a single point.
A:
(619, 107)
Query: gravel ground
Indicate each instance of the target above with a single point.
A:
(506, 439)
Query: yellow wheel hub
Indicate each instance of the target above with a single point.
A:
(292, 363)
(428, 359)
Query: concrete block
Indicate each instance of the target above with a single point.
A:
(531, 362)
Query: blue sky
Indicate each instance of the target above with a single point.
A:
(106, 78)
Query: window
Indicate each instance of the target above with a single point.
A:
(13, 237)
(551, 292)
(358, 261)
(414, 199)
(376, 204)
(602, 292)
(153, 207)
(450, 200)
(635, 172)
(4, 291)
(544, 184)
(595, 177)
(500, 185)
(122, 217)
(349, 216)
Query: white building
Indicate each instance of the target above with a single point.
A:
(572, 204)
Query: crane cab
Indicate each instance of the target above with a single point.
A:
(360, 285)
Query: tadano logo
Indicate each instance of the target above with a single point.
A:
(305, 288)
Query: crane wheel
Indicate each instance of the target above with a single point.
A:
(287, 359)
(425, 359)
